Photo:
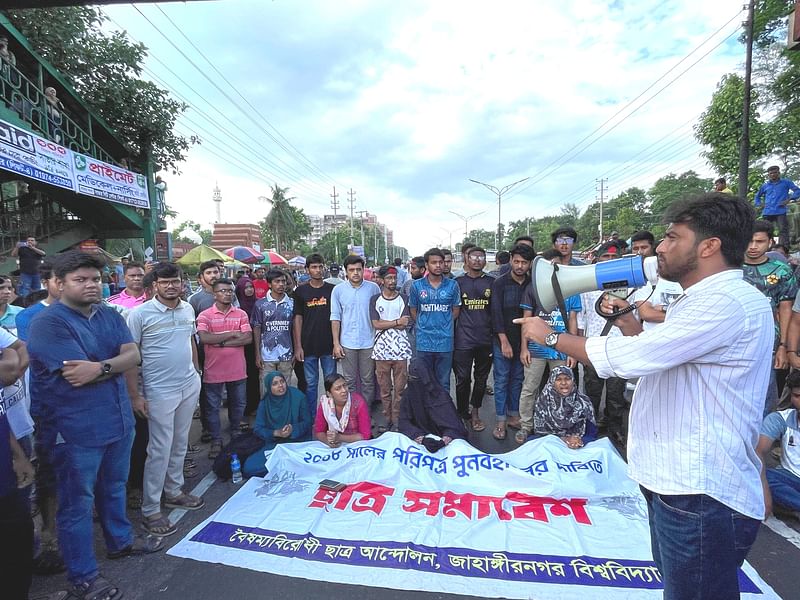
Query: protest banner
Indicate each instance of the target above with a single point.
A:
(542, 521)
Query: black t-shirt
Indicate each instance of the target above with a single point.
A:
(474, 324)
(314, 305)
(29, 260)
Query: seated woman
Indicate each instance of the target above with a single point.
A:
(562, 410)
(342, 416)
(427, 409)
(282, 416)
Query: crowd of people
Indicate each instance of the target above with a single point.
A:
(102, 393)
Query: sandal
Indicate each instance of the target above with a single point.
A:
(514, 422)
(99, 589)
(477, 424)
(184, 501)
(216, 450)
(49, 562)
(499, 432)
(521, 436)
(141, 545)
(158, 525)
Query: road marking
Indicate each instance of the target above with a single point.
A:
(201, 488)
(783, 530)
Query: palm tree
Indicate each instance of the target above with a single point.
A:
(280, 218)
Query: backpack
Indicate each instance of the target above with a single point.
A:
(243, 446)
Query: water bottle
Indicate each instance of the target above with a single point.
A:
(236, 469)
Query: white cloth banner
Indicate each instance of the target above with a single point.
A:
(542, 521)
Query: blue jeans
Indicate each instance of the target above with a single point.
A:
(785, 488)
(311, 366)
(28, 282)
(237, 398)
(698, 545)
(91, 476)
(508, 376)
(440, 364)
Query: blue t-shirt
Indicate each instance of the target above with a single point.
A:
(553, 318)
(92, 415)
(25, 317)
(275, 321)
(434, 306)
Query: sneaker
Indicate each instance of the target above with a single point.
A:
(216, 450)
(185, 501)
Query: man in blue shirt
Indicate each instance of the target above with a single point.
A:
(775, 194)
(79, 350)
(435, 302)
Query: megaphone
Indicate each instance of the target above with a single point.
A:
(626, 272)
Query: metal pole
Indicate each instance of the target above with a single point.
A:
(335, 207)
(466, 220)
(744, 149)
(499, 192)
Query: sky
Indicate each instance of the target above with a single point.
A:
(405, 102)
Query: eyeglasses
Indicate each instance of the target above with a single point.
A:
(476, 257)
(169, 282)
(565, 240)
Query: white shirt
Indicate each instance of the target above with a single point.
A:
(661, 295)
(697, 409)
(589, 321)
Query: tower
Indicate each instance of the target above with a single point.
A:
(218, 202)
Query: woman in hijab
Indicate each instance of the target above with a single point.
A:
(563, 411)
(342, 416)
(282, 417)
(426, 408)
(246, 294)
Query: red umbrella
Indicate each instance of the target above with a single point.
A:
(273, 258)
(245, 254)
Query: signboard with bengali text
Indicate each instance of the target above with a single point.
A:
(35, 157)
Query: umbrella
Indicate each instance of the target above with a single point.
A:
(200, 254)
(245, 254)
(297, 261)
(273, 258)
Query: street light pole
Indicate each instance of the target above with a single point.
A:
(499, 192)
(466, 220)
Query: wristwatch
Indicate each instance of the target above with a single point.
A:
(106, 368)
(551, 339)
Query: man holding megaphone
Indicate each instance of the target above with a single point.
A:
(696, 412)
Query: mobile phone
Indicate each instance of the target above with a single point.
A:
(330, 484)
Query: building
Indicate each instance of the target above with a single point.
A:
(227, 235)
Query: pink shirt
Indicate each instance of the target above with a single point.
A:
(223, 364)
(359, 421)
(125, 300)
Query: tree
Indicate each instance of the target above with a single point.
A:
(285, 224)
(205, 234)
(105, 69)
(674, 187)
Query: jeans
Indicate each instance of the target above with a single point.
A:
(91, 476)
(237, 398)
(508, 376)
(440, 364)
(698, 545)
(463, 361)
(615, 398)
(785, 488)
(28, 282)
(311, 365)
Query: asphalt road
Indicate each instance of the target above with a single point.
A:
(163, 577)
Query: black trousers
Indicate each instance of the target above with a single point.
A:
(16, 545)
(476, 362)
(615, 398)
(138, 454)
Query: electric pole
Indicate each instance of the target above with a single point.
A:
(352, 202)
(603, 187)
(744, 149)
(335, 207)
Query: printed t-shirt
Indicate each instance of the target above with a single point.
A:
(390, 344)
(314, 305)
(434, 306)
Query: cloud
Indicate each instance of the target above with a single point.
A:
(405, 102)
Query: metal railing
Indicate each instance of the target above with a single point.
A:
(33, 213)
(28, 100)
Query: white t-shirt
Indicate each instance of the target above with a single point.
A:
(664, 293)
(16, 397)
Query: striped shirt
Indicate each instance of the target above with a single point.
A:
(696, 412)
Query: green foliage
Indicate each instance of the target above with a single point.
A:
(105, 69)
(373, 242)
(205, 234)
(674, 187)
(285, 225)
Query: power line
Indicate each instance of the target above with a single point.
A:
(557, 163)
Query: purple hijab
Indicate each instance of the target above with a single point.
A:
(246, 303)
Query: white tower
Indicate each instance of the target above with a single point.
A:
(218, 202)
